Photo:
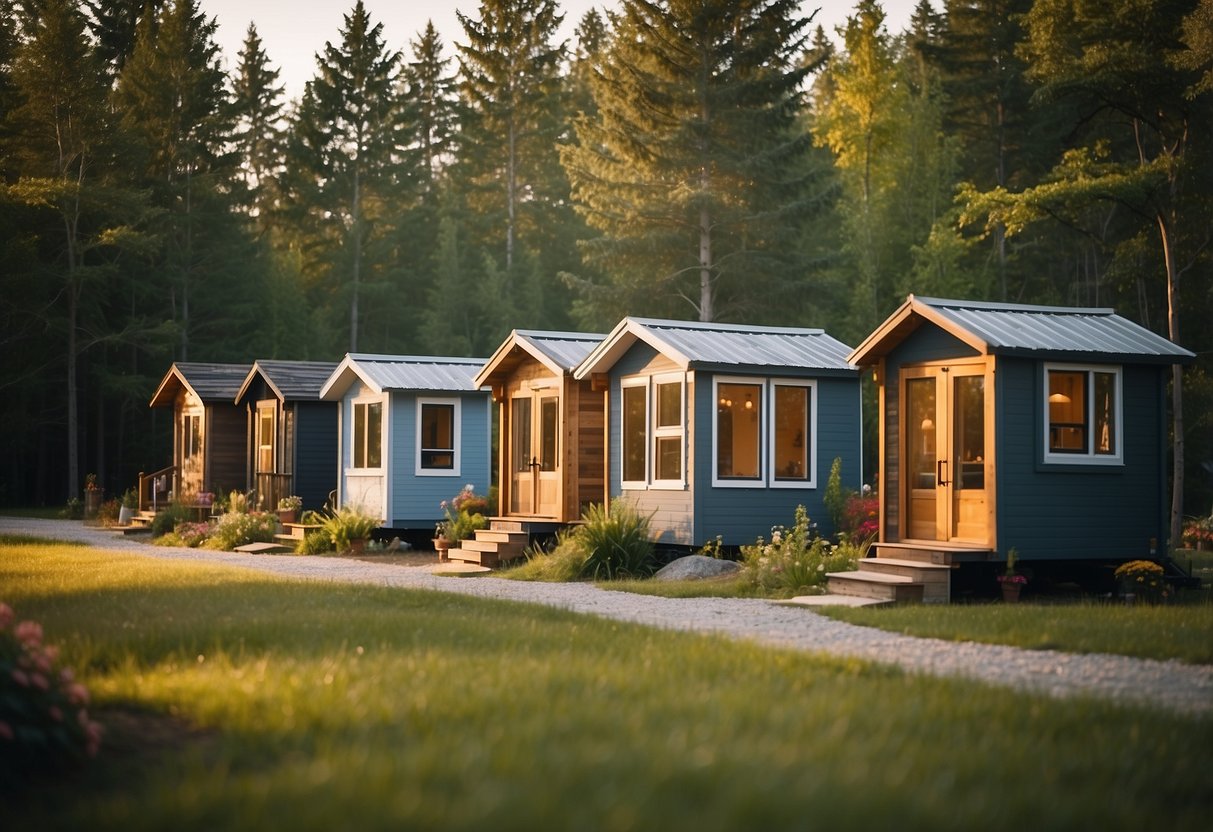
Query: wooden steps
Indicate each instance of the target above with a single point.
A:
(292, 533)
(906, 572)
(503, 540)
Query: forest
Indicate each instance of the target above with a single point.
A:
(702, 159)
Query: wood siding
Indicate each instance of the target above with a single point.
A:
(315, 451)
(226, 448)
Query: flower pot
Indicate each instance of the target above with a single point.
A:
(1010, 592)
(288, 516)
(441, 544)
(125, 515)
(358, 545)
(93, 498)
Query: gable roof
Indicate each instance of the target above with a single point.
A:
(560, 352)
(290, 380)
(209, 382)
(402, 372)
(1045, 332)
(725, 347)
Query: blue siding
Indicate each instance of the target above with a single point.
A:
(1062, 512)
(415, 499)
(316, 464)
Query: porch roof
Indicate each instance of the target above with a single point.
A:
(290, 380)
(209, 382)
(435, 374)
(1044, 332)
(724, 347)
(560, 352)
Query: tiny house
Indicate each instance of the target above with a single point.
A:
(412, 431)
(721, 430)
(209, 433)
(550, 426)
(1037, 428)
(291, 433)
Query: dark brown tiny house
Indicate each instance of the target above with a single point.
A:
(209, 433)
(551, 448)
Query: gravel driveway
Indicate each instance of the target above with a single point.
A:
(1169, 684)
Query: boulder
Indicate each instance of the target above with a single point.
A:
(696, 567)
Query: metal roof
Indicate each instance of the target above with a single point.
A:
(291, 380)
(210, 382)
(724, 347)
(1046, 332)
(1009, 328)
(403, 372)
(567, 349)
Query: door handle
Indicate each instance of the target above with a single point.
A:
(939, 472)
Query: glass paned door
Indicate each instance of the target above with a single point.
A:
(945, 453)
(535, 455)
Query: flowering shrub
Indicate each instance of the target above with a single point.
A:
(291, 503)
(1198, 534)
(44, 721)
(193, 534)
(464, 514)
(860, 517)
(1143, 579)
(797, 560)
(238, 528)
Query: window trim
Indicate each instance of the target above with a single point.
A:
(1088, 457)
(363, 401)
(759, 481)
(811, 480)
(624, 483)
(678, 432)
(456, 437)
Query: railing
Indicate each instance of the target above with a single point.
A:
(154, 488)
(270, 488)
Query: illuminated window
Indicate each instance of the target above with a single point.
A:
(1082, 414)
(763, 433)
(739, 431)
(368, 434)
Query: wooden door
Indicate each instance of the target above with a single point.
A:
(947, 447)
(535, 454)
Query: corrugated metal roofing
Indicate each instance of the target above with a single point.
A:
(297, 379)
(213, 382)
(1056, 331)
(739, 345)
(403, 372)
(567, 349)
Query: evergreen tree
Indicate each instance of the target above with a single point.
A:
(258, 136)
(431, 105)
(343, 173)
(692, 170)
(115, 25)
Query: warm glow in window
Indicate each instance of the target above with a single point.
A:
(367, 434)
(791, 461)
(265, 439)
(437, 436)
(1083, 405)
(667, 441)
(738, 431)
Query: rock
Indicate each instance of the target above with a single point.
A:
(696, 567)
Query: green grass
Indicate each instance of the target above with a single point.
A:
(1181, 631)
(239, 701)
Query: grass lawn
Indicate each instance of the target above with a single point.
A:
(240, 701)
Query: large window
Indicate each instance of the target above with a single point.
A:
(438, 437)
(265, 438)
(763, 433)
(1082, 414)
(653, 436)
(368, 435)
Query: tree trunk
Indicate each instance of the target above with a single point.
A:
(357, 265)
(1177, 380)
(706, 310)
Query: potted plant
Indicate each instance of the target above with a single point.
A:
(288, 509)
(441, 541)
(464, 515)
(349, 529)
(93, 495)
(1142, 580)
(1012, 582)
(130, 503)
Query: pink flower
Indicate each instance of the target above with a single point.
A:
(29, 632)
(77, 694)
(21, 677)
(6, 617)
(40, 681)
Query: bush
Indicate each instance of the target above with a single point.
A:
(860, 518)
(315, 542)
(44, 724)
(464, 515)
(616, 543)
(167, 519)
(797, 560)
(560, 563)
(1145, 580)
(107, 514)
(346, 524)
(236, 529)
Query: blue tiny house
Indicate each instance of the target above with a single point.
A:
(1037, 428)
(209, 433)
(292, 434)
(550, 426)
(721, 430)
(412, 431)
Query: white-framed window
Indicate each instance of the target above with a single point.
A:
(764, 433)
(266, 434)
(653, 431)
(634, 432)
(366, 449)
(438, 434)
(191, 436)
(1082, 414)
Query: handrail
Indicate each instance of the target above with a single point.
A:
(151, 501)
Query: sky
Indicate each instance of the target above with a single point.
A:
(292, 32)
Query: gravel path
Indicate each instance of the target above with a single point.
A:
(1170, 684)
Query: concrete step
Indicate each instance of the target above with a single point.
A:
(875, 585)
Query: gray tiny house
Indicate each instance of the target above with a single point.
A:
(724, 429)
(412, 431)
(292, 434)
(1037, 428)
